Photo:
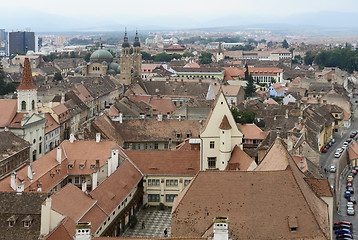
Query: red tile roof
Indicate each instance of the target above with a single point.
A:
(175, 47)
(51, 124)
(225, 125)
(27, 81)
(8, 109)
(251, 131)
(16, 121)
(166, 162)
(239, 160)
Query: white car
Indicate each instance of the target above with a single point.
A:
(345, 144)
(337, 155)
(349, 205)
(339, 150)
(350, 211)
(332, 169)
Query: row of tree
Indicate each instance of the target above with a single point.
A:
(5, 88)
(344, 58)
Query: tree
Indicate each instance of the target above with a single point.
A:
(57, 77)
(270, 44)
(250, 87)
(246, 72)
(146, 56)
(243, 117)
(297, 59)
(205, 58)
(87, 57)
(309, 57)
(188, 54)
(111, 52)
(285, 44)
(5, 88)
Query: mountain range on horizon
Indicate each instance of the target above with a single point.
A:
(45, 22)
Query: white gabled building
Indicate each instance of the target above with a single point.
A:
(219, 136)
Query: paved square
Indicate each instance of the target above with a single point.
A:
(155, 221)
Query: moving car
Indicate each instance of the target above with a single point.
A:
(333, 169)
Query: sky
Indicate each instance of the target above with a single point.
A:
(165, 13)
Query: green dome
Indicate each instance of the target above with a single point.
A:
(101, 54)
(113, 66)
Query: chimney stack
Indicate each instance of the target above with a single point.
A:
(160, 116)
(13, 181)
(59, 153)
(114, 159)
(98, 137)
(94, 180)
(286, 115)
(289, 141)
(84, 186)
(72, 138)
(29, 172)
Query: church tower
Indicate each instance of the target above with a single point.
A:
(137, 58)
(27, 91)
(125, 62)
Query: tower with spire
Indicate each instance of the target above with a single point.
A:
(27, 91)
(126, 62)
(137, 58)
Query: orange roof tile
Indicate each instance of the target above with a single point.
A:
(225, 125)
(166, 162)
(8, 108)
(251, 131)
(320, 186)
(51, 124)
(239, 160)
(271, 101)
(228, 90)
(27, 82)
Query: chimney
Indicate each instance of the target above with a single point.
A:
(274, 118)
(83, 231)
(109, 167)
(50, 104)
(120, 117)
(97, 163)
(72, 138)
(289, 141)
(6, 129)
(94, 180)
(59, 153)
(84, 186)
(13, 181)
(29, 172)
(98, 137)
(160, 116)
(286, 115)
(179, 117)
(114, 161)
(221, 228)
(63, 98)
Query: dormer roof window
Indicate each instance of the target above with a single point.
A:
(27, 221)
(12, 220)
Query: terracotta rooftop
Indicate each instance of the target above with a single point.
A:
(51, 124)
(247, 198)
(251, 131)
(225, 125)
(166, 162)
(8, 109)
(11, 144)
(228, 90)
(239, 160)
(175, 47)
(320, 186)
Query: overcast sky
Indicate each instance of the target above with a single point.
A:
(153, 12)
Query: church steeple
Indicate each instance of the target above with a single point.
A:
(27, 81)
(136, 40)
(27, 90)
(125, 42)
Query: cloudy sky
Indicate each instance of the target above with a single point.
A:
(190, 13)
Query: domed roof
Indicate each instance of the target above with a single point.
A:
(113, 66)
(125, 43)
(101, 54)
(111, 71)
(118, 69)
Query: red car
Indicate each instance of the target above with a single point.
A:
(354, 171)
(349, 184)
(343, 222)
(350, 181)
(324, 150)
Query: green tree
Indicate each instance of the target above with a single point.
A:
(205, 58)
(250, 87)
(309, 57)
(113, 53)
(270, 44)
(285, 44)
(243, 117)
(188, 54)
(57, 77)
(146, 56)
(297, 59)
(5, 88)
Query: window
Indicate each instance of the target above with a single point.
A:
(172, 182)
(92, 166)
(166, 145)
(33, 104)
(155, 145)
(212, 144)
(153, 197)
(154, 182)
(26, 224)
(70, 166)
(40, 148)
(178, 135)
(82, 166)
(77, 180)
(186, 182)
(170, 197)
(211, 162)
(23, 105)
(11, 223)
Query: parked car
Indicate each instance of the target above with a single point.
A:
(344, 236)
(343, 222)
(337, 155)
(349, 204)
(324, 150)
(343, 231)
(354, 171)
(333, 140)
(352, 199)
(353, 134)
(349, 184)
(351, 189)
(339, 150)
(345, 143)
(333, 169)
(347, 194)
(348, 140)
(350, 177)
(356, 168)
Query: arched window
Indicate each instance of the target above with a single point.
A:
(23, 105)
(33, 104)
